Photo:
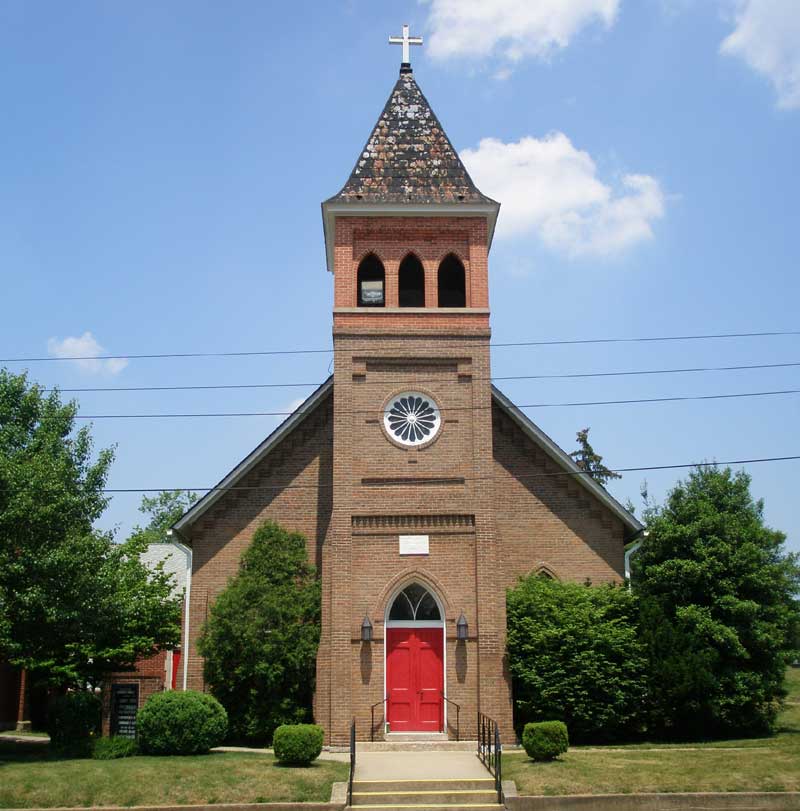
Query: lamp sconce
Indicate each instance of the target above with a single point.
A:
(462, 628)
(366, 630)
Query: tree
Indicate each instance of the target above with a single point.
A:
(586, 458)
(574, 656)
(260, 641)
(73, 604)
(719, 611)
(164, 510)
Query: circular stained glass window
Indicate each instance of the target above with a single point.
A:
(412, 418)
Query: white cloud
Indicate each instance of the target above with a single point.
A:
(550, 189)
(512, 29)
(82, 346)
(767, 38)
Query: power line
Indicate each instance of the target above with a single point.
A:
(532, 476)
(565, 376)
(254, 353)
(449, 409)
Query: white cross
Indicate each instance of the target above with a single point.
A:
(405, 41)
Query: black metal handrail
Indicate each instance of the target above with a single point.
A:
(458, 714)
(490, 751)
(352, 762)
(372, 717)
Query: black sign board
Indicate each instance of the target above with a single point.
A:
(124, 706)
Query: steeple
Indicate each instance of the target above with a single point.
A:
(408, 158)
(407, 168)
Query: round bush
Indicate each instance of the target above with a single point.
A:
(116, 746)
(181, 723)
(72, 722)
(545, 740)
(298, 744)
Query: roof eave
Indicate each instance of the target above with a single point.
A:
(333, 208)
(185, 523)
(564, 460)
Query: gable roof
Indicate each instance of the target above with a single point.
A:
(565, 461)
(183, 525)
(408, 158)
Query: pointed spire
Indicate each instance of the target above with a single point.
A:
(408, 157)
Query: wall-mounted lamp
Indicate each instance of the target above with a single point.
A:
(366, 630)
(462, 628)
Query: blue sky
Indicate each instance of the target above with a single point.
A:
(162, 167)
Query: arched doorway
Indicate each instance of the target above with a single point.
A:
(415, 661)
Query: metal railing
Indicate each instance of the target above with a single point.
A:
(352, 762)
(490, 751)
(458, 714)
(372, 717)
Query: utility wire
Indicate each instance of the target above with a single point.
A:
(415, 481)
(252, 353)
(447, 410)
(566, 376)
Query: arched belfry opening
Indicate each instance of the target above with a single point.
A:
(371, 282)
(452, 283)
(411, 282)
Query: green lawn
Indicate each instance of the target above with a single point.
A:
(29, 778)
(762, 764)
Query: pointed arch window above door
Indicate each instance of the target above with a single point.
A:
(415, 604)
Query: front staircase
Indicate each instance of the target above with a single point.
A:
(455, 794)
(421, 772)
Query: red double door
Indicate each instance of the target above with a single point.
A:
(415, 679)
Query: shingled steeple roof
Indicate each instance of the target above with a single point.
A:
(408, 157)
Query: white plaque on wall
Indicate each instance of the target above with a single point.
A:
(413, 544)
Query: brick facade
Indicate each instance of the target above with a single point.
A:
(482, 490)
(496, 498)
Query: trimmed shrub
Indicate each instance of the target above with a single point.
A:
(297, 744)
(73, 721)
(116, 746)
(545, 740)
(181, 723)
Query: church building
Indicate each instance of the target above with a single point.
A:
(423, 492)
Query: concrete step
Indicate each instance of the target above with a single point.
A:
(416, 736)
(438, 784)
(417, 746)
(425, 798)
(462, 807)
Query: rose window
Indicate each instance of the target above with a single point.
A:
(412, 418)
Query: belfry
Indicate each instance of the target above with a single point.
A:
(423, 492)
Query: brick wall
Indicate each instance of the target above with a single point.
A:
(302, 461)
(549, 522)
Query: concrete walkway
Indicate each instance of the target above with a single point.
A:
(419, 766)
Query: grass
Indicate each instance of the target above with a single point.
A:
(752, 764)
(29, 778)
